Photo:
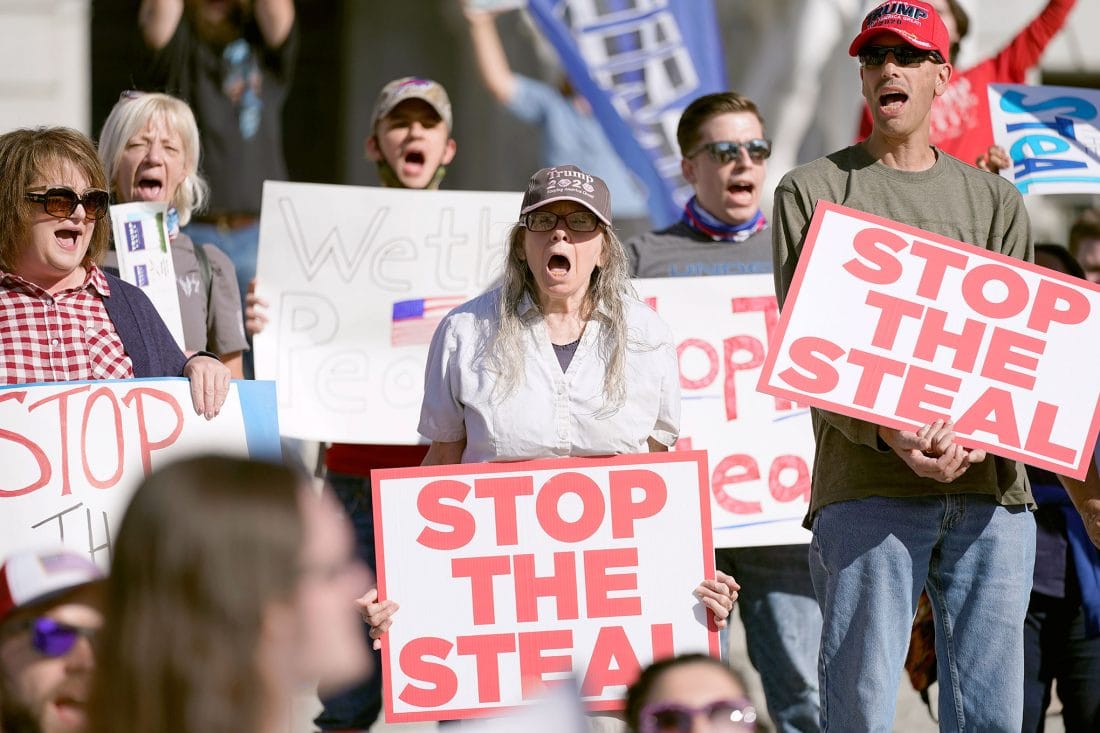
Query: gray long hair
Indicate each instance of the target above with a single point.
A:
(606, 302)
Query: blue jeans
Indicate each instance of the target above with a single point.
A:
(358, 707)
(871, 557)
(782, 628)
(241, 245)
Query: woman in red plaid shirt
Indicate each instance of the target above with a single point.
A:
(61, 317)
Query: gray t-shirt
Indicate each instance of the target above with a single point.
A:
(680, 251)
(216, 326)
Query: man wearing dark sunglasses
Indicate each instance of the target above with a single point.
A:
(723, 232)
(894, 512)
(50, 608)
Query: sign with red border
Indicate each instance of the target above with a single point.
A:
(901, 327)
(511, 576)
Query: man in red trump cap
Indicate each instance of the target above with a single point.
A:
(893, 512)
(50, 606)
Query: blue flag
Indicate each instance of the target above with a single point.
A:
(639, 63)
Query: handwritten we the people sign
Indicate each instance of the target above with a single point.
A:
(902, 327)
(761, 447)
(1052, 135)
(73, 452)
(513, 575)
(357, 279)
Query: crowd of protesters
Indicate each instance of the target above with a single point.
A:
(233, 584)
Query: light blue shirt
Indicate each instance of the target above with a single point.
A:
(569, 137)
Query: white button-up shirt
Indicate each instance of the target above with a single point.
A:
(551, 413)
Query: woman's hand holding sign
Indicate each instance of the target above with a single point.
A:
(931, 451)
(377, 613)
(719, 595)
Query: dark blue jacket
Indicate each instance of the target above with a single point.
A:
(147, 341)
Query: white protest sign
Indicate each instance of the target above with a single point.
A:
(141, 241)
(761, 447)
(73, 452)
(511, 575)
(357, 279)
(902, 327)
(1051, 134)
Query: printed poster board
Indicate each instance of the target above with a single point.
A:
(1051, 134)
(898, 326)
(140, 232)
(513, 575)
(73, 452)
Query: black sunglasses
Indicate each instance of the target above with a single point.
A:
(544, 221)
(61, 201)
(903, 55)
(54, 639)
(724, 716)
(727, 151)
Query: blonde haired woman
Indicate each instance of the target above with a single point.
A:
(149, 147)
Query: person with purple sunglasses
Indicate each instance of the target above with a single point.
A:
(50, 609)
(691, 693)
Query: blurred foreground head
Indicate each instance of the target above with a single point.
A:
(232, 586)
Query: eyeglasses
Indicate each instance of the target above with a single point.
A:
(724, 716)
(903, 55)
(544, 221)
(727, 151)
(129, 94)
(55, 639)
(61, 201)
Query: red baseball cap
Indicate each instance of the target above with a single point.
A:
(917, 23)
(32, 576)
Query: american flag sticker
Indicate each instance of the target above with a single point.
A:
(135, 238)
(414, 321)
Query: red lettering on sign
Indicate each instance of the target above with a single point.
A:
(62, 399)
(891, 312)
(993, 412)
(820, 376)
(918, 389)
(936, 261)
(1016, 295)
(504, 491)
(613, 662)
(732, 346)
(481, 571)
(430, 505)
(733, 470)
(592, 507)
(1002, 354)
(599, 584)
(624, 510)
(117, 413)
(45, 472)
(486, 649)
(561, 586)
(145, 445)
(712, 358)
(1038, 438)
(414, 662)
(934, 334)
(799, 488)
(534, 664)
(874, 367)
(1045, 310)
(887, 267)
